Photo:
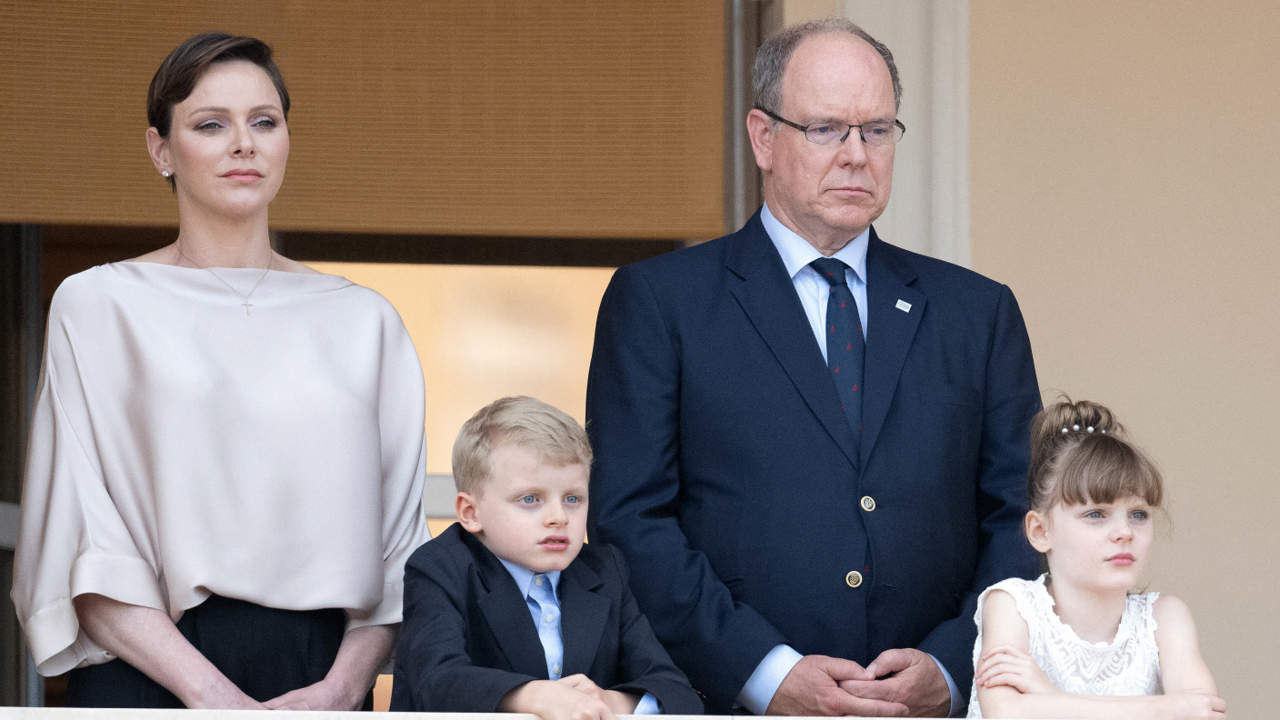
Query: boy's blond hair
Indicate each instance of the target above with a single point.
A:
(548, 431)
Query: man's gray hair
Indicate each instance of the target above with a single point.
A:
(775, 53)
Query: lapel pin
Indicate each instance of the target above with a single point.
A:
(903, 305)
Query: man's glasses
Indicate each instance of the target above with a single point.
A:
(875, 134)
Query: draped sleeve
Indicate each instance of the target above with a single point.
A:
(401, 422)
(181, 448)
(72, 539)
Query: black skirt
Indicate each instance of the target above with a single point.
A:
(266, 652)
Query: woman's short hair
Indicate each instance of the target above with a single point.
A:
(186, 64)
(549, 432)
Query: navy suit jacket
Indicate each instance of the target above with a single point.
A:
(724, 470)
(467, 638)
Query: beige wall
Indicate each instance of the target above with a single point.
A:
(1123, 183)
(483, 332)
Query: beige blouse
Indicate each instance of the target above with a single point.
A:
(181, 447)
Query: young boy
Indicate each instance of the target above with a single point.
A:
(508, 610)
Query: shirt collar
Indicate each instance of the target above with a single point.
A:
(524, 576)
(797, 253)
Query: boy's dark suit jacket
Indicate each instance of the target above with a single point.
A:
(468, 639)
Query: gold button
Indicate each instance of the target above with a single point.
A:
(853, 579)
(868, 503)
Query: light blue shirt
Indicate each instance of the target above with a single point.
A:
(547, 621)
(813, 291)
(812, 288)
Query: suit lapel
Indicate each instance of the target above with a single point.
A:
(508, 616)
(768, 297)
(583, 614)
(893, 314)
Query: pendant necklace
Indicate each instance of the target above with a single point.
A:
(244, 297)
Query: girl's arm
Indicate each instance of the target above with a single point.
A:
(1181, 667)
(1010, 684)
(1005, 670)
(148, 640)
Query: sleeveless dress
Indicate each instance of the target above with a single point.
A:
(1127, 665)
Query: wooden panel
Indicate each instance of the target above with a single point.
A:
(552, 118)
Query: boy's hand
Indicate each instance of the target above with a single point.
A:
(581, 683)
(557, 700)
(1010, 666)
(619, 702)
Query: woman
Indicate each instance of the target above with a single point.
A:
(227, 449)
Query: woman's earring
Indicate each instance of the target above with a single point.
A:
(165, 173)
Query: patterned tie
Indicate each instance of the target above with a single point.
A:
(543, 595)
(845, 346)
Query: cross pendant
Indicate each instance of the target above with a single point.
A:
(246, 305)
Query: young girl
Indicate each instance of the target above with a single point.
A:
(1075, 642)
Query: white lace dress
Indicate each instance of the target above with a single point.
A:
(1128, 665)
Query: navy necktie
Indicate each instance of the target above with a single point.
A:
(845, 346)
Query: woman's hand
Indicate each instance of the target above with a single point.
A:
(224, 696)
(324, 695)
(148, 640)
(344, 687)
(1006, 665)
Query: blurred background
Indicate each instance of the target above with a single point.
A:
(487, 164)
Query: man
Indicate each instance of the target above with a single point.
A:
(813, 473)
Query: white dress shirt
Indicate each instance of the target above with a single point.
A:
(813, 291)
(812, 288)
